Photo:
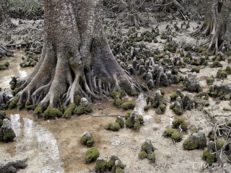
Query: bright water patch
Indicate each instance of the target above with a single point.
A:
(38, 144)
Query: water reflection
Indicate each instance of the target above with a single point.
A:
(38, 144)
(140, 104)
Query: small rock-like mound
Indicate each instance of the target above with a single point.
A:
(195, 141)
(13, 166)
(6, 132)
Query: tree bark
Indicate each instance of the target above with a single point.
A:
(76, 58)
(217, 24)
(4, 6)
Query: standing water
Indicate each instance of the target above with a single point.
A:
(140, 104)
(35, 143)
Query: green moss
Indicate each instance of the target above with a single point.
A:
(221, 74)
(117, 94)
(15, 91)
(162, 91)
(184, 126)
(28, 105)
(189, 144)
(228, 70)
(120, 121)
(20, 105)
(186, 60)
(115, 126)
(196, 62)
(175, 71)
(114, 94)
(69, 111)
(111, 163)
(83, 140)
(209, 157)
(119, 170)
(77, 100)
(142, 155)
(176, 136)
(128, 123)
(151, 157)
(168, 132)
(147, 107)
(172, 106)
(133, 93)
(137, 125)
(158, 57)
(108, 126)
(127, 115)
(173, 96)
(210, 80)
(79, 110)
(216, 64)
(182, 54)
(200, 49)
(220, 144)
(162, 107)
(177, 110)
(195, 69)
(3, 112)
(7, 64)
(229, 60)
(128, 105)
(181, 79)
(9, 135)
(177, 122)
(141, 119)
(38, 110)
(52, 113)
(2, 67)
(144, 147)
(117, 102)
(91, 155)
(100, 166)
(12, 104)
(88, 142)
(170, 48)
(219, 58)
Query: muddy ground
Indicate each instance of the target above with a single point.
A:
(53, 146)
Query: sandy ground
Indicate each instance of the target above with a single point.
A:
(53, 146)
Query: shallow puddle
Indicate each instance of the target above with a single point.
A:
(14, 69)
(35, 143)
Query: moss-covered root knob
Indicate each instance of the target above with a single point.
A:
(87, 139)
(101, 165)
(69, 111)
(91, 155)
(52, 113)
(120, 120)
(209, 157)
(128, 105)
(142, 155)
(189, 144)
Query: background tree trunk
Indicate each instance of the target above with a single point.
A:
(4, 6)
(76, 59)
(217, 24)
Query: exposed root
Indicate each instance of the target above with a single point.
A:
(39, 93)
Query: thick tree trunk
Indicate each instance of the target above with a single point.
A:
(217, 24)
(76, 59)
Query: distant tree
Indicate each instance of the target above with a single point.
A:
(217, 24)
